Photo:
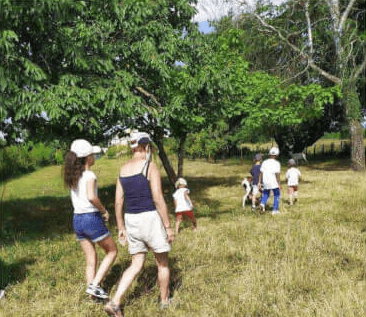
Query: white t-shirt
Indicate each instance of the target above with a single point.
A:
(292, 176)
(79, 197)
(182, 203)
(269, 169)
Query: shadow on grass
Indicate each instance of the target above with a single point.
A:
(50, 217)
(147, 280)
(15, 272)
(329, 165)
(25, 219)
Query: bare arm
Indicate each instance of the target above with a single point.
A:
(278, 180)
(118, 204)
(158, 197)
(118, 207)
(186, 195)
(94, 199)
(260, 180)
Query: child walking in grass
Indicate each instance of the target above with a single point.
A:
(255, 172)
(293, 176)
(183, 204)
(89, 214)
(270, 176)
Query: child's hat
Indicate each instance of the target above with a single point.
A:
(291, 162)
(258, 157)
(180, 181)
(83, 148)
(139, 138)
(274, 151)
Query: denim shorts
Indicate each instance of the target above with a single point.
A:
(90, 226)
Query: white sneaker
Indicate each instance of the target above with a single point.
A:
(96, 291)
(275, 212)
(263, 208)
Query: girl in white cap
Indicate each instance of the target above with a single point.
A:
(183, 204)
(89, 214)
(144, 222)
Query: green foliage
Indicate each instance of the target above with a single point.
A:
(23, 158)
(117, 150)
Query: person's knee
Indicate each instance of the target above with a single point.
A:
(137, 264)
(113, 253)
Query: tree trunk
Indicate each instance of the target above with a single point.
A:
(182, 141)
(353, 111)
(166, 163)
(357, 147)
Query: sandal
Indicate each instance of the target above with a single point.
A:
(113, 310)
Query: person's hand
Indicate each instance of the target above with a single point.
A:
(170, 233)
(122, 236)
(105, 216)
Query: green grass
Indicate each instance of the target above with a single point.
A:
(307, 261)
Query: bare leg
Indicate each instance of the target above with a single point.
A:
(194, 223)
(178, 220)
(254, 199)
(163, 275)
(290, 194)
(111, 253)
(91, 259)
(128, 276)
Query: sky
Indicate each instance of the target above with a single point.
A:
(210, 10)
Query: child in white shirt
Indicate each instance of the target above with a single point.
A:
(270, 177)
(293, 176)
(183, 204)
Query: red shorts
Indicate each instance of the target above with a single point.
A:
(293, 187)
(188, 213)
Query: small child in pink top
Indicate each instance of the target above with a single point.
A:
(183, 204)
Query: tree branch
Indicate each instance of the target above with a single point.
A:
(345, 15)
(310, 33)
(360, 69)
(332, 78)
(144, 92)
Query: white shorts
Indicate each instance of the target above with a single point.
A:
(255, 190)
(146, 231)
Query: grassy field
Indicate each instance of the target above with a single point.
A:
(307, 261)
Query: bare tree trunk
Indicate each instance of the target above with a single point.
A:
(166, 163)
(357, 147)
(182, 141)
(353, 111)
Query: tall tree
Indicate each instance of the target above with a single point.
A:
(327, 37)
(260, 103)
(82, 68)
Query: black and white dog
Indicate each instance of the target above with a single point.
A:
(247, 184)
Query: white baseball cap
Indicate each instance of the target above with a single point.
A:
(83, 148)
(274, 151)
(139, 138)
(180, 181)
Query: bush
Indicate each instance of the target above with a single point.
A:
(59, 157)
(41, 155)
(116, 151)
(18, 159)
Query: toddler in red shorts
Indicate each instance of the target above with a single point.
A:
(183, 204)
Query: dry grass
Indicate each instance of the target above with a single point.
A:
(307, 261)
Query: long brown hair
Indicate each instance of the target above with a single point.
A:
(73, 169)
